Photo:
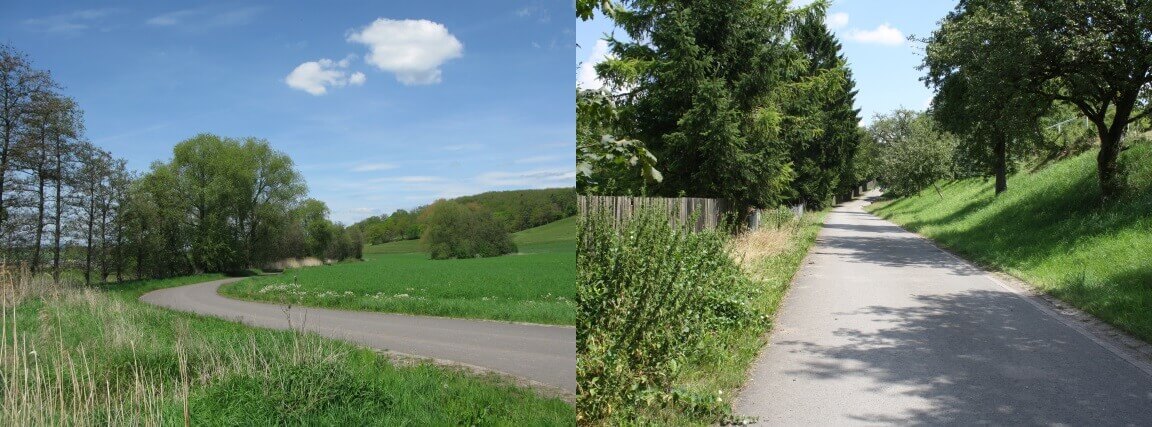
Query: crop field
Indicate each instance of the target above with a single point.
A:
(537, 285)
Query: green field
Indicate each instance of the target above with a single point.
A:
(536, 285)
(102, 357)
(1051, 230)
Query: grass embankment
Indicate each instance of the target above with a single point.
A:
(80, 357)
(1051, 230)
(536, 285)
(700, 306)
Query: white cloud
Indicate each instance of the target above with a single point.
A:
(201, 18)
(535, 10)
(372, 167)
(884, 34)
(72, 22)
(837, 20)
(315, 77)
(532, 179)
(410, 179)
(586, 77)
(540, 159)
(413, 50)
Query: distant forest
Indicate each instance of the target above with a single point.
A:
(516, 210)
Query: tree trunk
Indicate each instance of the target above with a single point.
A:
(40, 195)
(59, 216)
(88, 251)
(1000, 164)
(1110, 136)
(1106, 164)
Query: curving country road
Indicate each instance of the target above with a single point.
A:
(881, 327)
(539, 353)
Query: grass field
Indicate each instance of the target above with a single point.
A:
(82, 357)
(537, 285)
(1051, 230)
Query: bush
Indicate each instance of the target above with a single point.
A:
(458, 231)
(649, 295)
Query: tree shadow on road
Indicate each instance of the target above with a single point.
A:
(980, 357)
(878, 242)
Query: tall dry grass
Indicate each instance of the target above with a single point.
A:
(752, 248)
(75, 356)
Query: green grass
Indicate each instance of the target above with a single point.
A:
(537, 285)
(103, 357)
(1051, 230)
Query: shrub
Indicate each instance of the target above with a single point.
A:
(649, 295)
(458, 231)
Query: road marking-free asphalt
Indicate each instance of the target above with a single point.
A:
(882, 327)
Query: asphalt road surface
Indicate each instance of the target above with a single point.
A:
(881, 327)
(539, 353)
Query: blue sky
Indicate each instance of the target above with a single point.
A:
(382, 105)
(873, 33)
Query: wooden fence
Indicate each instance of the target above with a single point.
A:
(705, 214)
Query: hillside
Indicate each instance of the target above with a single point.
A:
(516, 209)
(1051, 230)
(551, 237)
(524, 209)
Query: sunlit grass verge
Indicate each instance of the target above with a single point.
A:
(84, 356)
(669, 320)
(1051, 229)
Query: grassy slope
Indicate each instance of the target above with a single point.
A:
(126, 352)
(1050, 229)
(536, 285)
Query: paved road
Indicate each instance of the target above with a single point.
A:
(544, 354)
(881, 327)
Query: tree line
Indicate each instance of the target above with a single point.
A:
(513, 210)
(69, 207)
(748, 100)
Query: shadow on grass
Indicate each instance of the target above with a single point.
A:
(977, 357)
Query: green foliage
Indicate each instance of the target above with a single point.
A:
(649, 293)
(1051, 231)
(219, 204)
(1091, 54)
(912, 152)
(743, 100)
(458, 231)
(520, 210)
(823, 159)
(604, 163)
(516, 210)
(973, 62)
(534, 286)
